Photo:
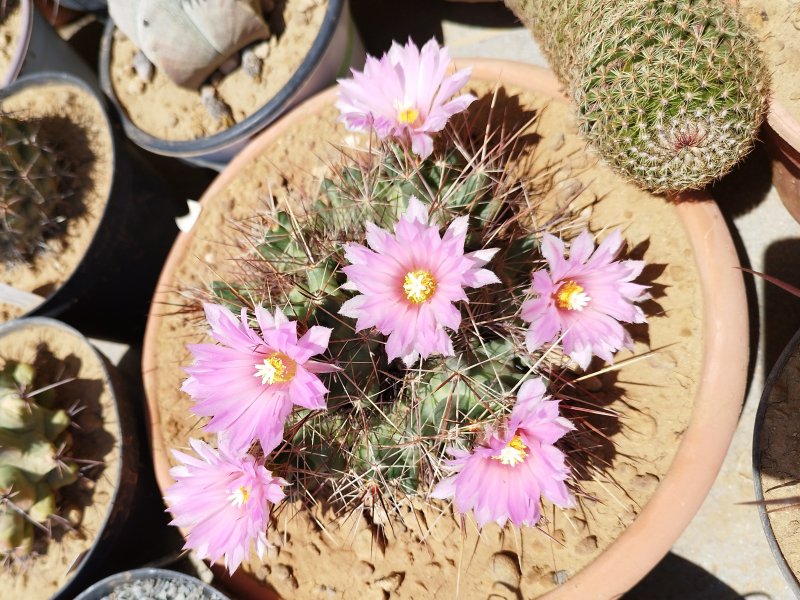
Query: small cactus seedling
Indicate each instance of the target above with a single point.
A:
(670, 92)
(189, 39)
(32, 467)
(32, 201)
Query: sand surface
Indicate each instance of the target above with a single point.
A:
(10, 21)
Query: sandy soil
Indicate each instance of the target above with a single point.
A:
(426, 556)
(62, 354)
(89, 144)
(777, 25)
(9, 33)
(170, 112)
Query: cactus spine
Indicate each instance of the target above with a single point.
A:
(32, 207)
(31, 468)
(670, 92)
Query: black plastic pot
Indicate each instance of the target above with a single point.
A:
(103, 588)
(335, 49)
(109, 292)
(127, 450)
(774, 379)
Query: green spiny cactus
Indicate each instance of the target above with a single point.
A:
(31, 197)
(670, 92)
(31, 468)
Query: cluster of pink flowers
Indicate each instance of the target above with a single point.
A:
(409, 285)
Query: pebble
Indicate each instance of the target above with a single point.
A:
(215, 106)
(161, 589)
(143, 67)
(229, 65)
(251, 64)
(262, 50)
(390, 583)
(560, 577)
(506, 569)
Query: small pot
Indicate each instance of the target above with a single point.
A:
(336, 48)
(40, 48)
(119, 422)
(134, 235)
(165, 579)
(776, 378)
(783, 145)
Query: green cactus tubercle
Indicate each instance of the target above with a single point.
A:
(31, 471)
(671, 93)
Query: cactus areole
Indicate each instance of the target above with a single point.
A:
(671, 93)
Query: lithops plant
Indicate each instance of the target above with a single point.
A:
(671, 93)
(189, 39)
(32, 467)
(32, 207)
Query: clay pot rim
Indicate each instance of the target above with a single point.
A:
(719, 396)
(18, 56)
(775, 374)
(120, 451)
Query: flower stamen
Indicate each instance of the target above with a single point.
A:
(571, 296)
(513, 453)
(240, 496)
(407, 116)
(276, 368)
(419, 286)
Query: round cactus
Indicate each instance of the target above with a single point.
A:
(31, 466)
(31, 197)
(670, 93)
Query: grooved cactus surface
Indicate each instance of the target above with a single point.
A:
(31, 470)
(670, 92)
(30, 198)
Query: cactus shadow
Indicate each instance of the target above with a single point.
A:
(276, 19)
(88, 441)
(492, 115)
(649, 276)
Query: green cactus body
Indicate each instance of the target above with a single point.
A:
(31, 200)
(670, 93)
(31, 469)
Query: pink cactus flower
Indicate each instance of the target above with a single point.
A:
(504, 478)
(406, 95)
(224, 501)
(584, 297)
(409, 282)
(249, 384)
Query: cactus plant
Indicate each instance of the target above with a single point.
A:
(670, 93)
(189, 39)
(32, 467)
(32, 207)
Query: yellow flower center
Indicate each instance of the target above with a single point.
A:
(240, 496)
(419, 286)
(276, 368)
(407, 116)
(571, 296)
(514, 452)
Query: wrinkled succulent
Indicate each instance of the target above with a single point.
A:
(32, 469)
(671, 93)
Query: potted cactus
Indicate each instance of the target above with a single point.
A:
(671, 94)
(151, 584)
(66, 470)
(198, 79)
(370, 393)
(70, 220)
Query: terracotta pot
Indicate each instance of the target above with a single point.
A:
(716, 407)
(783, 145)
(771, 428)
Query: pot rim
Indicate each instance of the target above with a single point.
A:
(145, 573)
(719, 396)
(266, 114)
(23, 323)
(778, 368)
(21, 50)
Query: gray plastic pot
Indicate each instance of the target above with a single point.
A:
(127, 457)
(336, 48)
(166, 583)
(85, 5)
(134, 236)
(40, 48)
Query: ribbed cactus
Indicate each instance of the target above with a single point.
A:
(32, 205)
(32, 469)
(670, 92)
(387, 426)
